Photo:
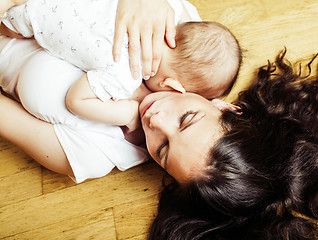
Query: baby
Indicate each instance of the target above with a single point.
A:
(206, 59)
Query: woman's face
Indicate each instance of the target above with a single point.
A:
(180, 130)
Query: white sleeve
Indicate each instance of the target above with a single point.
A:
(177, 6)
(114, 80)
(193, 12)
(17, 20)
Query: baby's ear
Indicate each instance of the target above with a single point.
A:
(172, 83)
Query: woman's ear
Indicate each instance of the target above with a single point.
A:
(222, 105)
(172, 83)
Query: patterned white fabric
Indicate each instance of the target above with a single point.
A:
(82, 32)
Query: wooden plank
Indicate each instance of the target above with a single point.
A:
(83, 198)
(133, 221)
(13, 159)
(20, 186)
(97, 225)
(53, 181)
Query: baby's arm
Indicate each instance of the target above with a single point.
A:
(82, 101)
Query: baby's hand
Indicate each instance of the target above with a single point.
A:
(134, 124)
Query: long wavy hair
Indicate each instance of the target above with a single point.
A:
(264, 177)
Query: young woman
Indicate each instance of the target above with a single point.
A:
(260, 179)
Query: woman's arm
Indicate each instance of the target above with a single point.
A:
(148, 23)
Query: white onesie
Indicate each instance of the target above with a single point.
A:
(82, 32)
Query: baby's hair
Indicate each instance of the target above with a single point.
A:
(207, 58)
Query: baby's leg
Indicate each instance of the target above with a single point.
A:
(37, 138)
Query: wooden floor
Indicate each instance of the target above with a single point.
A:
(38, 204)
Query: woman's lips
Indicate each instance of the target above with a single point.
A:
(146, 108)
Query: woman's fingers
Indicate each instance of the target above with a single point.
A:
(147, 22)
(146, 51)
(170, 29)
(120, 31)
(157, 45)
(134, 51)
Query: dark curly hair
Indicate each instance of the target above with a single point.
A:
(264, 179)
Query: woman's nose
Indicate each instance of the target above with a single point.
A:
(160, 122)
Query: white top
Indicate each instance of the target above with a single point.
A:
(41, 82)
(82, 32)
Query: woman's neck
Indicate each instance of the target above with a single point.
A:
(136, 137)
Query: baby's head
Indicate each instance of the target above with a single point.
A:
(207, 58)
(205, 61)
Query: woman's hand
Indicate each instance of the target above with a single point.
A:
(148, 23)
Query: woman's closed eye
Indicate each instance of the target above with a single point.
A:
(162, 154)
(185, 119)
(163, 150)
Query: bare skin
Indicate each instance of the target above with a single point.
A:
(38, 139)
(148, 24)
